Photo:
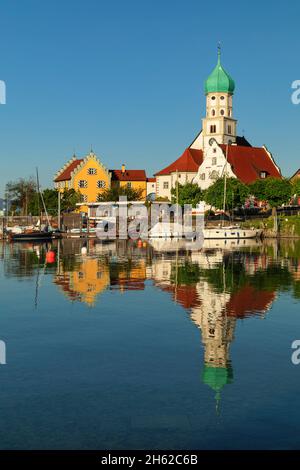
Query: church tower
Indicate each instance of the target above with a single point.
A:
(219, 122)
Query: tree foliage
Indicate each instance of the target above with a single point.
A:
(273, 190)
(236, 194)
(23, 198)
(20, 194)
(188, 193)
(296, 187)
(113, 194)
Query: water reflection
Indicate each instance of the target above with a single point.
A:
(217, 286)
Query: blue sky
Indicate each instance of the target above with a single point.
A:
(127, 78)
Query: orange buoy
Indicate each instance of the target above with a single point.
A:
(140, 243)
(50, 257)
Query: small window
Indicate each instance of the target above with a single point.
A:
(229, 129)
(101, 184)
(213, 98)
(263, 174)
(222, 112)
(222, 98)
(213, 113)
(229, 113)
(213, 129)
(166, 185)
(202, 177)
(214, 150)
(129, 185)
(80, 275)
(84, 198)
(214, 175)
(92, 171)
(214, 160)
(82, 183)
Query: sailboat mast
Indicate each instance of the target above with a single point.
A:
(38, 192)
(42, 198)
(225, 184)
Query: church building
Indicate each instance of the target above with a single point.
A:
(217, 146)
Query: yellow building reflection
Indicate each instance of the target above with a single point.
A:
(89, 278)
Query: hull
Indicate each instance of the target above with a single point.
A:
(32, 236)
(231, 233)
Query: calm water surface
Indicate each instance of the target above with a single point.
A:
(150, 347)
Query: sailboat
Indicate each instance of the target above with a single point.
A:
(37, 233)
(232, 231)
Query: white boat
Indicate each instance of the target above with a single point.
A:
(231, 232)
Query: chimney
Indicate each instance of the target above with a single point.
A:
(123, 169)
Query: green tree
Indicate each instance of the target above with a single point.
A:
(69, 199)
(236, 193)
(188, 193)
(296, 187)
(21, 195)
(273, 190)
(50, 197)
(113, 194)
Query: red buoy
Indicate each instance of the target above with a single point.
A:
(50, 257)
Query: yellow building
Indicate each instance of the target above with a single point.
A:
(90, 177)
(86, 175)
(134, 179)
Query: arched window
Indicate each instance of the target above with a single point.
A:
(214, 175)
(213, 113)
(222, 112)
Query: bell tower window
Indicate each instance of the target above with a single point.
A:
(213, 129)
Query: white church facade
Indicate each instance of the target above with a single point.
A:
(217, 146)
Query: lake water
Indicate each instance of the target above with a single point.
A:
(150, 347)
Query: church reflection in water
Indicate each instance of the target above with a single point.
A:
(217, 286)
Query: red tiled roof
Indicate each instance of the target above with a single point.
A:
(188, 162)
(249, 301)
(128, 175)
(151, 180)
(248, 162)
(66, 174)
(185, 295)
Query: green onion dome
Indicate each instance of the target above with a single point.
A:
(219, 80)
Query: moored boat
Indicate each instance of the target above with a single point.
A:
(231, 232)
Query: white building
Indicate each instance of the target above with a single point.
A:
(204, 160)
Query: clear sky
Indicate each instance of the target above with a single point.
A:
(126, 76)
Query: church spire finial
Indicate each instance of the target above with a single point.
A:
(219, 52)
